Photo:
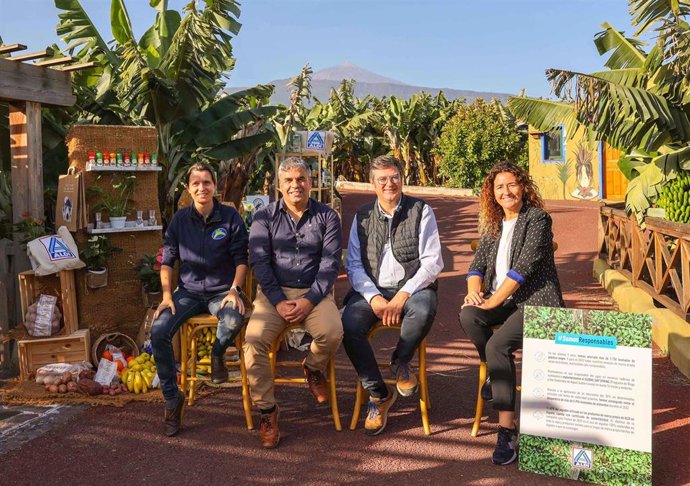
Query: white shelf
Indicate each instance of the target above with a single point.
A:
(114, 168)
(130, 227)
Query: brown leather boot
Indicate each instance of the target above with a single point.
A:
(219, 372)
(268, 429)
(173, 416)
(316, 382)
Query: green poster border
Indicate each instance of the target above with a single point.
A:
(630, 328)
(611, 466)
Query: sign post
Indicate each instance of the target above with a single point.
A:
(586, 406)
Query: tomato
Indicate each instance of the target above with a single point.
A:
(107, 355)
(120, 366)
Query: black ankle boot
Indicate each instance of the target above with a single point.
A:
(219, 373)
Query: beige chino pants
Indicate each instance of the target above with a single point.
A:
(265, 325)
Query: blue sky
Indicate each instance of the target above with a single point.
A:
(499, 45)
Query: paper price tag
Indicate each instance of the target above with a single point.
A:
(106, 372)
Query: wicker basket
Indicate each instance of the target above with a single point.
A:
(122, 341)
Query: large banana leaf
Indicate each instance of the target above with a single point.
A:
(222, 111)
(646, 13)
(224, 128)
(646, 187)
(626, 52)
(156, 41)
(545, 114)
(82, 38)
(237, 147)
(120, 23)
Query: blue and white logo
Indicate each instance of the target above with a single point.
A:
(219, 234)
(582, 458)
(315, 141)
(67, 209)
(56, 248)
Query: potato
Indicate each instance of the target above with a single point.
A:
(89, 387)
(72, 386)
(66, 377)
(53, 388)
(62, 389)
(111, 393)
(89, 374)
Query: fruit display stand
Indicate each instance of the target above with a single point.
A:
(321, 168)
(34, 353)
(118, 307)
(71, 344)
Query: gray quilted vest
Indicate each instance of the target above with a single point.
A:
(372, 229)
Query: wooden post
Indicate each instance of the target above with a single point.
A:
(26, 154)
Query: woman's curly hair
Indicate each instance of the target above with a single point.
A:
(490, 212)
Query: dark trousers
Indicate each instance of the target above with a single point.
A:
(358, 319)
(163, 329)
(496, 348)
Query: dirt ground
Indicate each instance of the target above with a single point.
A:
(127, 445)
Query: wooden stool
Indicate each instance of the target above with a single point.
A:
(424, 403)
(298, 364)
(479, 408)
(189, 331)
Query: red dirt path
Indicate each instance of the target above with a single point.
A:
(126, 445)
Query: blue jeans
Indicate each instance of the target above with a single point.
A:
(187, 305)
(358, 319)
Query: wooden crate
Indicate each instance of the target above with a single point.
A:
(34, 353)
(63, 286)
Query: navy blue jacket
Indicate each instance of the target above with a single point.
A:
(209, 251)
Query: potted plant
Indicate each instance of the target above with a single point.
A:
(115, 202)
(30, 228)
(96, 254)
(149, 271)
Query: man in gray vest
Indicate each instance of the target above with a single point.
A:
(393, 261)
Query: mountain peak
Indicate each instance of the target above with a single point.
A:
(348, 70)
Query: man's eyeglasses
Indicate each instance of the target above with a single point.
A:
(382, 181)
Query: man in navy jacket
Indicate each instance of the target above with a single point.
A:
(210, 241)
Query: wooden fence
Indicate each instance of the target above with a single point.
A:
(656, 259)
(13, 260)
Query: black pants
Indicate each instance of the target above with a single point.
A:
(496, 348)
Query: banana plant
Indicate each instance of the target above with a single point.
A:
(170, 78)
(640, 104)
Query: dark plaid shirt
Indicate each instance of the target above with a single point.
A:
(302, 254)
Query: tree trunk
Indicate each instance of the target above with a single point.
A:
(235, 183)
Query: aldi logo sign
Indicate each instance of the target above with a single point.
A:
(56, 248)
(315, 141)
(582, 458)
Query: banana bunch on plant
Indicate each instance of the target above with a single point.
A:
(675, 199)
(204, 344)
(140, 373)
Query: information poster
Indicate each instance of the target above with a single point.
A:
(586, 404)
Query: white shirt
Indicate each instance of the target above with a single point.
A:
(503, 255)
(391, 271)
